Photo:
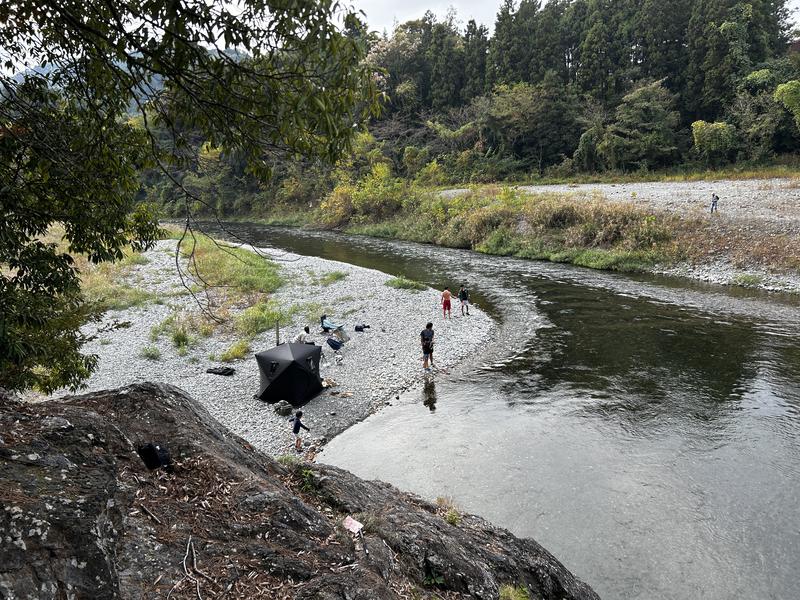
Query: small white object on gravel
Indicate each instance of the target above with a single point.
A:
(377, 365)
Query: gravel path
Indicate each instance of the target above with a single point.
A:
(377, 365)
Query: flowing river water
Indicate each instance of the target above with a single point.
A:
(646, 431)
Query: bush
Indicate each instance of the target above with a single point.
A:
(714, 142)
(378, 195)
(337, 207)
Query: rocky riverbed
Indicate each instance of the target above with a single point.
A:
(376, 365)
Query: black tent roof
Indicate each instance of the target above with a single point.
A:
(290, 372)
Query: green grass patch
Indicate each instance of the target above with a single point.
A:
(134, 258)
(514, 592)
(332, 277)
(182, 329)
(748, 280)
(236, 270)
(101, 287)
(150, 353)
(401, 283)
(264, 316)
(237, 351)
(453, 517)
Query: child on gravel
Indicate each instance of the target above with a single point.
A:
(297, 424)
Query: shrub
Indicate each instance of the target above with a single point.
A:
(714, 142)
(431, 174)
(337, 207)
(378, 195)
(788, 94)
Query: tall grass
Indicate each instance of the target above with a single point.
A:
(237, 270)
(574, 228)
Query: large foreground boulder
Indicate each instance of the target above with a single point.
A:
(82, 517)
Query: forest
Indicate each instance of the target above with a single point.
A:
(561, 89)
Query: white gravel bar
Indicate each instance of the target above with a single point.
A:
(377, 365)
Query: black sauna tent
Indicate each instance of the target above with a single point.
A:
(289, 372)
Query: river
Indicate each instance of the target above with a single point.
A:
(646, 431)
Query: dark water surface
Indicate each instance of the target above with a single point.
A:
(645, 431)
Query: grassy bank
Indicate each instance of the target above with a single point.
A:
(567, 228)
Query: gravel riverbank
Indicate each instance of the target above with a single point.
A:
(377, 364)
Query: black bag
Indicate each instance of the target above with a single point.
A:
(335, 344)
(361, 327)
(155, 456)
(226, 371)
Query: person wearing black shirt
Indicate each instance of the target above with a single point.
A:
(426, 338)
(463, 295)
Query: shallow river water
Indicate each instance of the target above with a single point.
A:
(646, 431)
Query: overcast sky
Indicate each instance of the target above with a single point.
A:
(381, 14)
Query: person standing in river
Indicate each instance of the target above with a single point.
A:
(463, 295)
(426, 337)
(446, 298)
(714, 201)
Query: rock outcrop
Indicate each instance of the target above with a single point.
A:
(82, 517)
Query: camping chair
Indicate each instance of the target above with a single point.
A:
(328, 325)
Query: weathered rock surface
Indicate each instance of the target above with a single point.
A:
(82, 517)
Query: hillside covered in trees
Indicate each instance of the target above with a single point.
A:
(561, 88)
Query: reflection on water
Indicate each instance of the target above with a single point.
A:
(429, 394)
(646, 432)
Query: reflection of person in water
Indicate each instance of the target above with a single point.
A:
(429, 394)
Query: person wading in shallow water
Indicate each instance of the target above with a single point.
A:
(297, 424)
(427, 346)
(446, 296)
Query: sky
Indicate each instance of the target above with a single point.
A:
(381, 14)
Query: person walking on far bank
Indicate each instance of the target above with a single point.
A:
(426, 337)
(714, 201)
(446, 297)
(297, 424)
(463, 295)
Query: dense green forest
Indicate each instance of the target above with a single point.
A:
(561, 88)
